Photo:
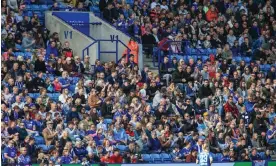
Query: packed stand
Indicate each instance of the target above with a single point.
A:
(57, 109)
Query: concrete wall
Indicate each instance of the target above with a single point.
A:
(78, 41)
(103, 32)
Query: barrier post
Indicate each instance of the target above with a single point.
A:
(140, 57)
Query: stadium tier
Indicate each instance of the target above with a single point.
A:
(138, 82)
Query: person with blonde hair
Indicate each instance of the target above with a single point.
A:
(204, 158)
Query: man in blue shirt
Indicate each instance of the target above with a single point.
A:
(30, 125)
(120, 134)
(51, 50)
(10, 153)
(271, 135)
(80, 151)
(24, 159)
(66, 158)
(204, 158)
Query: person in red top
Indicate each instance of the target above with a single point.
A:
(212, 66)
(57, 85)
(231, 107)
(191, 158)
(212, 14)
(105, 158)
(116, 157)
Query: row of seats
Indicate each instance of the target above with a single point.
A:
(25, 55)
(157, 158)
(38, 7)
(52, 96)
(41, 2)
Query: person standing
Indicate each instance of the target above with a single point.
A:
(204, 158)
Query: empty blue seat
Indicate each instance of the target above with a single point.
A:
(165, 157)
(219, 156)
(30, 13)
(267, 67)
(214, 156)
(34, 95)
(237, 59)
(204, 58)
(155, 158)
(262, 155)
(54, 96)
(27, 7)
(262, 67)
(44, 7)
(39, 140)
(35, 7)
(107, 121)
(247, 59)
(146, 157)
(122, 147)
(45, 148)
(28, 55)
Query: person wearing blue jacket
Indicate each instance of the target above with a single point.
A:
(155, 143)
(51, 50)
(65, 158)
(80, 151)
(23, 158)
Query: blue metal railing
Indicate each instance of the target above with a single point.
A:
(109, 52)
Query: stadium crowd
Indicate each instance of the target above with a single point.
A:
(58, 109)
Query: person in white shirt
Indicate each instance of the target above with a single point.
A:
(164, 5)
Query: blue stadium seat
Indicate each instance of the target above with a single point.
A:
(122, 147)
(237, 59)
(34, 95)
(219, 156)
(214, 51)
(262, 67)
(247, 59)
(262, 155)
(27, 7)
(267, 67)
(204, 58)
(35, 7)
(214, 156)
(44, 7)
(30, 13)
(38, 13)
(165, 157)
(155, 158)
(54, 96)
(39, 140)
(146, 157)
(72, 88)
(45, 148)
(108, 121)
(28, 55)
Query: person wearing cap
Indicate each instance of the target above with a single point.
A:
(48, 133)
(69, 66)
